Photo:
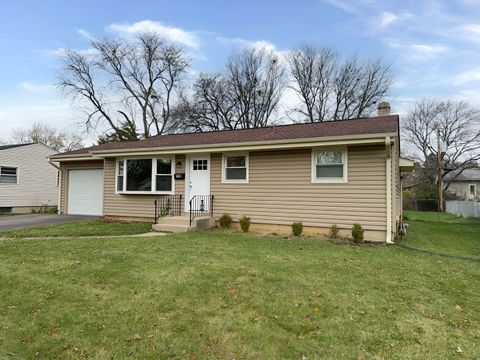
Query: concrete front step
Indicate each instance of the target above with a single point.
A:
(174, 220)
(177, 224)
(170, 228)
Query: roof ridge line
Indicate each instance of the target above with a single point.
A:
(275, 126)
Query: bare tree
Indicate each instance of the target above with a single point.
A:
(312, 70)
(47, 135)
(457, 123)
(130, 87)
(255, 81)
(208, 108)
(331, 89)
(243, 96)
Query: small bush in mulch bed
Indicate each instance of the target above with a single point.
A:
(297, 228)
(333, 234)
(245, 223)
(225, 221)
(357, 233)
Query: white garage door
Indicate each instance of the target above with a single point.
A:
(85, 192)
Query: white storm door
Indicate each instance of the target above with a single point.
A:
(198, 183)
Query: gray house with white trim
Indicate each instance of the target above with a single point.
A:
(466, 185)
(27, 179)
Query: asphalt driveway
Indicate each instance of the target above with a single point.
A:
(33, 220)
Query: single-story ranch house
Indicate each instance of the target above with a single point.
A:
(339, 172)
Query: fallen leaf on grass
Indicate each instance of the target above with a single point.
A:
(316, 309)
(27, 340)
(53, 329)
(136, 337)
(458, 308)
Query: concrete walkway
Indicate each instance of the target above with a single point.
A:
(16, 222)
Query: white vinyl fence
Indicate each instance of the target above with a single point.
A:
(464, 208)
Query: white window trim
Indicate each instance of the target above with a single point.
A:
(335, 180)
(18, 174)
(224, 168)
(474, 190)
(154, 176)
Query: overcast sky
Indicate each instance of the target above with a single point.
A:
(433, 45)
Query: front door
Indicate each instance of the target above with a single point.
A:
(198, 182)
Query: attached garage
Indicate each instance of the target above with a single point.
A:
(85, 192)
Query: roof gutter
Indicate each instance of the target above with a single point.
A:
(224, 147)
(54, 165)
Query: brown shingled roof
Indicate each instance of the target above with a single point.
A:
(362, 126)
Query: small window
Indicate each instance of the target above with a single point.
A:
(120, 175)
(200, 165)
(8, 175)
(235, 168)
(164, 175)
(329, 166)
(472, 190)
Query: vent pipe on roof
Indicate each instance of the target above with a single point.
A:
(383, 109)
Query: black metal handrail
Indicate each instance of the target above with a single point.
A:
(168, 205)
(200, 205)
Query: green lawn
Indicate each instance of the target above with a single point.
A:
(443, 233)
(82, 228)
(208, 295)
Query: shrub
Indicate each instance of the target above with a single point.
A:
(333, 231)
(245, 223)
(357, 233)
(225, 221)
(297, 228)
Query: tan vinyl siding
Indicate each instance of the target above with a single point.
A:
(73, 165)
(280, 190)
(128, 205)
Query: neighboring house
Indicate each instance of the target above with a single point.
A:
(339, 172)
(27, 179)
(465, 186)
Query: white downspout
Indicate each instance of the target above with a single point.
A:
(388, 150)
(59, 178)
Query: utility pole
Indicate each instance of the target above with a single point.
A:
(441, 148)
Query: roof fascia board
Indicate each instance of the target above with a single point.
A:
(191, 150)
(276, 143)
(223, 147)
(84, 157)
